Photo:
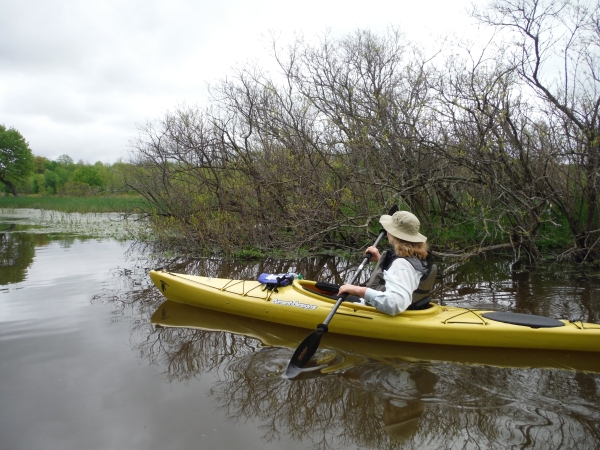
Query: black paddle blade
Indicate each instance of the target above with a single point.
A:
(305, 351)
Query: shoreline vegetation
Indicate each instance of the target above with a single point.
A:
(483, 142)
(97, 204)
(72, 215)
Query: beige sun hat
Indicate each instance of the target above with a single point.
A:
(403, 225)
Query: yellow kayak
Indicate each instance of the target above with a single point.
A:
(304, 305)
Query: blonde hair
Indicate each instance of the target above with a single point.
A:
(406, 249)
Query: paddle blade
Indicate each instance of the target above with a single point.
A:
(305, 351)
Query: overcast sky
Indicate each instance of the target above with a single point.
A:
(78, 77)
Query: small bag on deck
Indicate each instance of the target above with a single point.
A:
(273, 281)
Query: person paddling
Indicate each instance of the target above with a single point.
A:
(402, 278)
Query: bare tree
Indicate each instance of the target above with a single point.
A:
(487, 148)
(555, 50)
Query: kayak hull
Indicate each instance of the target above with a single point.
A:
(353, 350)
(301, 305)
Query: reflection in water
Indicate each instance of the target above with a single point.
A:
(342, 410)
(351, 350)
(378, 397)
(402, 392)
(382, 404)
(17, 250)
(402, 421)
(547, 291)
(16, 255)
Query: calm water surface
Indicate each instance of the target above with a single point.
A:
(86, 361)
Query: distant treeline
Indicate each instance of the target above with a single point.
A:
(491, 146)
(65, 177)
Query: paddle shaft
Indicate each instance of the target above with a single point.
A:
(342, 297)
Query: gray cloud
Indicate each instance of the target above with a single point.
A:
(77, 76)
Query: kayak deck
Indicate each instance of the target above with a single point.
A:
(303, 305)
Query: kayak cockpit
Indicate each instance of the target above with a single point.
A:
(328, 292)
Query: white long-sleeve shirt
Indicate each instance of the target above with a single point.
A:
(401, 280)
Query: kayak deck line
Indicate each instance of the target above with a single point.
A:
(243, 282)
(482, 321)
(301, 305)
(229, 284)
(585, 325)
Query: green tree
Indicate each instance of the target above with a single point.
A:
(51, 181)
(16, 158)
(38, 184)
(65, 160)
(88, 175)
(39, 163)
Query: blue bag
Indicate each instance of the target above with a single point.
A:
(273, 281)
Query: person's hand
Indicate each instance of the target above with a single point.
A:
(351, 289)
(374, 251)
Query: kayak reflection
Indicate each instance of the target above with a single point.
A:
(351, 350)
(374, 394)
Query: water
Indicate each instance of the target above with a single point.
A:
(83, 366)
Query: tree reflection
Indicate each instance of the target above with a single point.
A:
(382, 404)
(16, 255)
(17, 250)
(346, 409)
(326, 268)
(416, 402)
(335, 411)
(501, 284)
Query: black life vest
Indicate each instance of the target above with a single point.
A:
(427, 270)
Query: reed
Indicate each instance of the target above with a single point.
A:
(125, 204)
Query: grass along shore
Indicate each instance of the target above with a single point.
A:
(121, 204)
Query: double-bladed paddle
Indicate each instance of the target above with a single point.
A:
(310, 344)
